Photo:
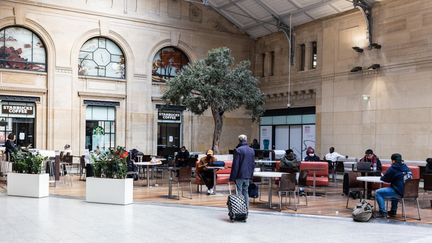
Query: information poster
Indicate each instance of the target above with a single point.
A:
(308, 138)
(265, 137)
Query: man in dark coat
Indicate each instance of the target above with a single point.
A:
(395, 175)
(243, 167)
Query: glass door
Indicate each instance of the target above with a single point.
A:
(168, 139)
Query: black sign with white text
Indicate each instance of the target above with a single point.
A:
(169, 115)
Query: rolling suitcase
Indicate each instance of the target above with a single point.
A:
(237, 209)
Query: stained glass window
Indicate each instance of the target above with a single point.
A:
(21, 49)
(101, 57)
(167, 63)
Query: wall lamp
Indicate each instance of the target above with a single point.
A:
(357, 49)
(375, 46)
(365, 97)
(356, 69)
(374, 66)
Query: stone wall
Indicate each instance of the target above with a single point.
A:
(397, 116)
(140, 28)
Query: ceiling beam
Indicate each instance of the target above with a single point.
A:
(298, 11)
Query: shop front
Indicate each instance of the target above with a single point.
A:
(169, 130)
(18, 116)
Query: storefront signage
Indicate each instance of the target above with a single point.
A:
(170, 116)
(17, 109)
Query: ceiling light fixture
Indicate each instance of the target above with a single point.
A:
(374, 66)
(356, 69)
(357, 49)
(365, 97)
(375, 46)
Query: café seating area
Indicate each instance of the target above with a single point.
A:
(323, 197)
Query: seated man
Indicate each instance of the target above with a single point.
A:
(332, 157)
(289, 162)
(207, 174)
(182, 157)
(395, 175)
(375, 161)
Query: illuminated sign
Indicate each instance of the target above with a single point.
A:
(17, 109)
(171, 116)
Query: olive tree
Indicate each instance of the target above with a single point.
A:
(215, 82)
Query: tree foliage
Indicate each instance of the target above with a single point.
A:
(216, 83)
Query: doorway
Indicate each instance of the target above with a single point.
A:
(168, 139)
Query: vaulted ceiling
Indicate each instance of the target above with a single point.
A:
(257, 17)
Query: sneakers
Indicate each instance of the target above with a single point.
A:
(391, 213)
(210, 191)
(380, 215)
(302, 192)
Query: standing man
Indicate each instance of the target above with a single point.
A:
(243, 167)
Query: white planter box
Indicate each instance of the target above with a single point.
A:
(28, 185)
(112, 191)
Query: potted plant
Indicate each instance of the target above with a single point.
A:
(110, 184)
(26, 179)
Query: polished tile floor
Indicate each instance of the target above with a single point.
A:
(57, 219)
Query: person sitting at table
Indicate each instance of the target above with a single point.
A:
(182, 157)
(395, 175)
(428, 167)
(332, 157)
(205, 174)
(255, 144)
(375, 161)
(310, 155)
(10, 147)
(289, 162)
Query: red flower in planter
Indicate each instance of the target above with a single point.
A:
(125, 154)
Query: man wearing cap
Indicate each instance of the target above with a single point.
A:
(243, 167)
(395, 176)
(205, 174)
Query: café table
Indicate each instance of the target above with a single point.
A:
(170, 179)
(314, 171)
(373, 179)
(262, 162)
(270, 175)
(215, 169)
(148, 164)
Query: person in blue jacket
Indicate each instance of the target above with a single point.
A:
(395, 175)
(243, 167)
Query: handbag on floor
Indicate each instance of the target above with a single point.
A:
(362, 211)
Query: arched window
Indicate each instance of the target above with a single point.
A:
(101, 57)
(21, 49)
(167, 62)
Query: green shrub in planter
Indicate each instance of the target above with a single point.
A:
(26, 162)
(111, 163)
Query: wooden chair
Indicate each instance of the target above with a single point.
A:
(287, 186)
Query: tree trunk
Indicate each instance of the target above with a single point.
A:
(218, 122)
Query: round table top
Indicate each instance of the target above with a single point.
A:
(265, 161)
(149, 163)
(370, 179)
(215, 167)
(269, 174)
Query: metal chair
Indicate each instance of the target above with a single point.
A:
(411, 192)
(82, 168)
(352, 184)
(184, 177)
(287, 186)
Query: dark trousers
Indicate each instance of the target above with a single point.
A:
(207, 177)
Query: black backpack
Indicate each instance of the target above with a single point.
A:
(253, 190)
